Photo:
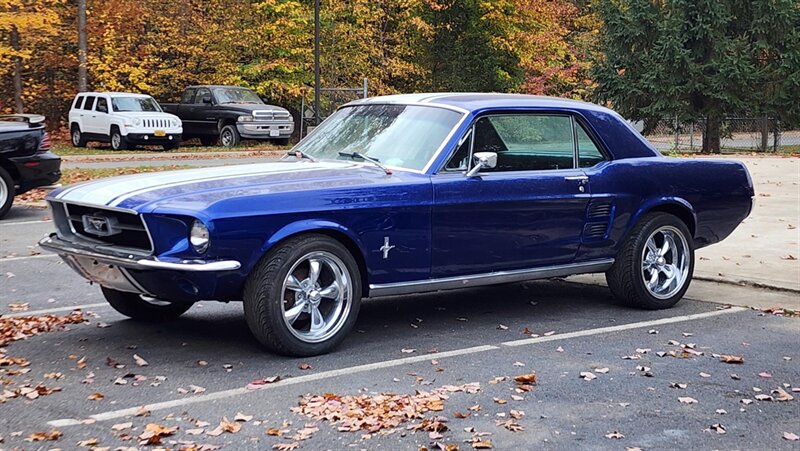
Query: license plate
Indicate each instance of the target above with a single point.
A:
(274, 133)
(160, 133)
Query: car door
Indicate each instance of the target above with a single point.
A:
(102, 119)
(527, 212)
(200, 113)
(89, 116)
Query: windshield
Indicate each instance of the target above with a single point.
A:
(403, 136)
(122, 104)
(236, 95)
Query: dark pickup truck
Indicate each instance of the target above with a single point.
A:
(228, 114)
(25, 158)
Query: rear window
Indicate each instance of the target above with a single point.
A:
(78, 103)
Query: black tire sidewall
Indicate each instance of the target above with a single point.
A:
(266, 322)
(123, 145)
(235, 138)
(81, 140)
(642, 296)
(5, 178)
(134, 307)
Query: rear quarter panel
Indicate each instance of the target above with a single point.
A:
(716, 194)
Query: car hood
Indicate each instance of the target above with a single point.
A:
(145, 115)
(193, 190)
(253, 107)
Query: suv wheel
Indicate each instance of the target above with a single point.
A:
(77, 137)
(140, 308)
(6, 192)
(303, 297)
(229, 136)
(118, 142)
(655, 264)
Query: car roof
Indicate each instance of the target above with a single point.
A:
(113, 94)
(480, 101)
(216, 86)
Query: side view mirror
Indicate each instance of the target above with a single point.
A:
(102, 109)
(207, 100)
(483, 160)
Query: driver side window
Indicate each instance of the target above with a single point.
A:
(201, 94)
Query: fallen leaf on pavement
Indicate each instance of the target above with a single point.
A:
(587, 376)
(44, 436)
(791, 436)
(88, 442)
(735, 359)
(196, 431)
(142, 411)
(677, 385)
(718, 428)
(721, 411)
(96, 396)
(286, 446)
(304, 366)
(687, 400)
(153, 433)
(254, 385)
(122, 426)
(529, 378)
(615, 435)
(242, 417)
(139, 361)
(765, 375)
(746, 401)
(601, 370)
(482, 444)
(407, 351)
(705, 375)
(782, 395)
(196, 389)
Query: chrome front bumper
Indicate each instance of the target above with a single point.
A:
(66, 249)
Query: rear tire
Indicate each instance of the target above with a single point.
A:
(77, 137)
(229, 136)
(118, 142)
(7, 192)
(303, 297)
(133, 306)
(655, 264)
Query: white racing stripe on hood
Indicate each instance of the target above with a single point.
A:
(113, 191)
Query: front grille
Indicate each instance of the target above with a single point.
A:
(270, 115)
(130, 231)
(156, 123)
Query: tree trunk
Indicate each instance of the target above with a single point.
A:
(711, 135)
(18, 107)
(82, 47)
(765, 134)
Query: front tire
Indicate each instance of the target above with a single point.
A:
(229, 136)
(7, 192)
(118, 142)
(655, 265)
(135, 307)
(303, 297)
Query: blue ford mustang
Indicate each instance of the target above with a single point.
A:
(403, 194)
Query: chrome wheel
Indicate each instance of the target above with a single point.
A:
(116, 140)
(226, 138)
(4, 192)
(316, 296)
(665, 262)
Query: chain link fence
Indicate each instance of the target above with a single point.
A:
(738, 134)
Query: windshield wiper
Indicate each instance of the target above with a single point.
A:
(374, 161)
(300, 155)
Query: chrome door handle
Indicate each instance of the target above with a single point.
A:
(581, 179)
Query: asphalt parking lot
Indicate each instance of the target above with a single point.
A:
(636, 394)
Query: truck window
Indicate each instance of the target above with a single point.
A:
(187, 96)
(78, 103)
(102, 105)
(89, 103)
(202, 93)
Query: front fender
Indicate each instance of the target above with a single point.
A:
(309, 226)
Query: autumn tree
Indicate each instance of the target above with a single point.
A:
(700, 59)
(19, 20)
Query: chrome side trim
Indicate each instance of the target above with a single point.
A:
(477, 280)
(64, 248)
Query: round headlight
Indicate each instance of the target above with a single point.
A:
(137, 122)
(198, 236)
(176, 122)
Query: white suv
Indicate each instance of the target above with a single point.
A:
(122, 119)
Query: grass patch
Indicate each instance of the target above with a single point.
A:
(66, 149)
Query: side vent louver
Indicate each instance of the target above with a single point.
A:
(598, 219)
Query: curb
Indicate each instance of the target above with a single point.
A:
(746, 283)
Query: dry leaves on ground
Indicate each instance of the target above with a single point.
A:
(735, 359)
(378, 412)
(153, 433)
(44, 436)
(21, 327)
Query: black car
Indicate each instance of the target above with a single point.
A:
(228, 114)
(26, 161)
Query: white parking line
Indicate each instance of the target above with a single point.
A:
(40, 221)
(28, 257)
(114, 414)
(54, 310)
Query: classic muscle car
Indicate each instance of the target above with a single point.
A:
(403, 194)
